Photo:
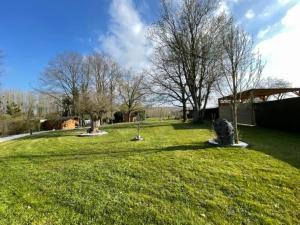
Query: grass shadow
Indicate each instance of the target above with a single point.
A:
(190, 126)
(134, 125)
(281, 145)
(104, 153)
(49, 135)
(188, 147)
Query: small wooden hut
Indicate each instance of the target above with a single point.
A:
(63, 123)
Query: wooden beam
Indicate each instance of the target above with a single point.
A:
(297, 93)
(263, 98)
(252, 97)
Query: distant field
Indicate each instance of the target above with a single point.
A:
(172, 177)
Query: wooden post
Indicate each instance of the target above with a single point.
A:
(138, 137)
(139, 126)
(252, 109)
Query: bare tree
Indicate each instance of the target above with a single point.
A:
(46, 106)
(241, 67)
(62, 79)
(82, 85)
(114, 75)
(94, 105)
(98, 85)
(107, 81)
(186, 31)
(93, 97)
(211, 47)
(212, 78)
(274, 82)
(167, 80)
(132, 93)
(31, 104)
(101, 72)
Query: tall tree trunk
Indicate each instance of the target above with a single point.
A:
(93, 125)
(74, 104)
(196, 115)
(234, 113)
(129, 115)
(205, 104)
(199, 99)
(81, 120)
(184, 111)
(196, 108)
(235, 123)
(111, 103)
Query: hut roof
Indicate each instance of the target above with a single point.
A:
(262, 93)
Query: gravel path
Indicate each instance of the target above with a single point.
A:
(13, 137)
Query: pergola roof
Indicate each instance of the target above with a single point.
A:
(262, 93)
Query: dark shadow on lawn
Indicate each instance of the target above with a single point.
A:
(191, 126)
(134, 125)
(49, 135)
(105, 153)
(200, 146)
(281, 145)
(278, 144)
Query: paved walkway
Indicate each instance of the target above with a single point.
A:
(13, 137)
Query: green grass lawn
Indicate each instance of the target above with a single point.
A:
(172, 177)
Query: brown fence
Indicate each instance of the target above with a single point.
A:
(282, 114)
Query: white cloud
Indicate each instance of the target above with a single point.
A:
(279, 5)
(225, 5)
(250, 14)
(126, 39)
(263, 33)
(269, 11)
(283, 2)
(282, 50)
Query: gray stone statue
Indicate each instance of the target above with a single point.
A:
(224, 131)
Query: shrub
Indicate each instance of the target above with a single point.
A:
(118, 117)
(18, 126)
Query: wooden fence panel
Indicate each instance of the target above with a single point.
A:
(282, 114)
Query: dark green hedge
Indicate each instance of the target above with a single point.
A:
(18, 126)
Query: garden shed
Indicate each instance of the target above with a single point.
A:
(63, 123)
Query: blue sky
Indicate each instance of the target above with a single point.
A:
(34, 31)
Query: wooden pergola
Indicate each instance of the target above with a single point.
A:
(261, 93)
